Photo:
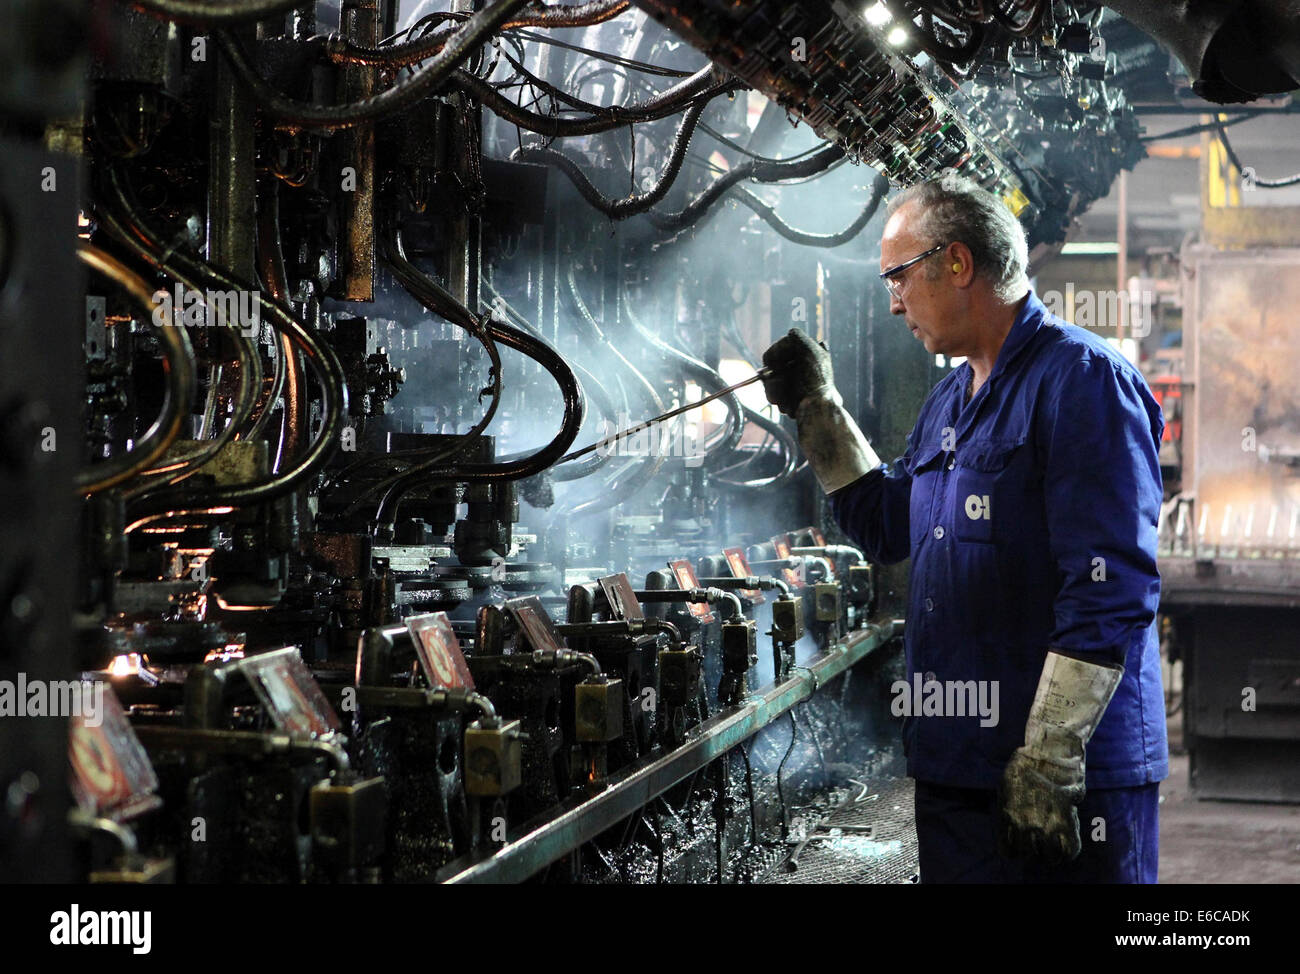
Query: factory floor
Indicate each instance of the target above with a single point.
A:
(1201, 841)
(1220, 841)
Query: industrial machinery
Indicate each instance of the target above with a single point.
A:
(1231, 536)
(305, 308)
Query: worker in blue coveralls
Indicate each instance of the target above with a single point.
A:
(1027, 500)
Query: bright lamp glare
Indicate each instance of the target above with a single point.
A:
(897, 37)
(878, 14)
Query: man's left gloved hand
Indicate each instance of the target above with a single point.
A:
(1044, 780)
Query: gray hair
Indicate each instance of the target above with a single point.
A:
(953, 208)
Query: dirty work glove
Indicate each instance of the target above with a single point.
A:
(1044, 780)
(800, 367)
(802, 385)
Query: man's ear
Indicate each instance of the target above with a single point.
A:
(960, 263)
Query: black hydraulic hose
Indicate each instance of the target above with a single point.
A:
(426, 291)
(1021, 29)
(412, 52)
(178, 370)
(593, 388)
(768, 213)
(701, 85)
(708, 376)
(216, 11)
(787, 443)
(599, 334)
(1232, 157)
(598, 394)
(645, 471)
(762, 172)
(427, 458)
(197, 273)
(621, 209)
(401, 94)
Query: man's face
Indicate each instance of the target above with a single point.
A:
(926, 299)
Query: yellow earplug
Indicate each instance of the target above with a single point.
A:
(956, 268)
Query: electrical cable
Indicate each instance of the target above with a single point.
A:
(405, 91)
(651, 465)
(621, 61)
(764, 172)
(700, 85)
(768, 214)
(621, 209)
(733, 144)
(412, 52)
(708, 377)
(1255, 181)
(593, 387)
(1197, 129)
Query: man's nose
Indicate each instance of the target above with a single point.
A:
(896, 304)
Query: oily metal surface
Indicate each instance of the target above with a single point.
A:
(869, 837)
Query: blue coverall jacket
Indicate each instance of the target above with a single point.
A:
(1030, 517)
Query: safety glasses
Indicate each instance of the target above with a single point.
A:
(891, 278)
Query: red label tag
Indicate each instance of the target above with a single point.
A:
(111, 773)
(739, 566)
(438, 651)
(686, 578)
(290, 693)
(782, 544)
(532, 618)
(621, 596)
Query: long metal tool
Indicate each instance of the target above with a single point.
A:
(615, 437)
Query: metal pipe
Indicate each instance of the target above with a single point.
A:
(609, 440)
(178, 367)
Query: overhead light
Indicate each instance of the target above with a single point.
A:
(897, 37)
(878, 14)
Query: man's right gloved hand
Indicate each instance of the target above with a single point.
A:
(800, 368)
